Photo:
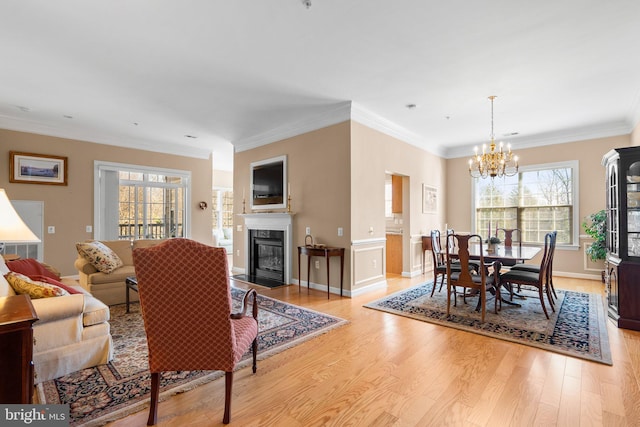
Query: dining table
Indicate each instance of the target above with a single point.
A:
(505, 254)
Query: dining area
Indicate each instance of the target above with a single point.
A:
(498, 268)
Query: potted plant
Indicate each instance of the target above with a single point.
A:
(491, 243)
(595, 225)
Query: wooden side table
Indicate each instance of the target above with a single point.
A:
(16, 349)
(327, 253)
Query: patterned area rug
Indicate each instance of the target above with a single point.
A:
(109, 392)
(577, 328)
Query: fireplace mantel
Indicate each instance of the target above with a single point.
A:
(271, 221)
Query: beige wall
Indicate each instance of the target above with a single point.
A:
(635, 136)
(373, 154)
(70, 208)
(591, 198)
(318, 174)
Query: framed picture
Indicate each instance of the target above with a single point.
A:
(429, 199)
(30, 168)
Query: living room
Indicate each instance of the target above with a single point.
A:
(338, 153)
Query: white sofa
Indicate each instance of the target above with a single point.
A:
(223, 237)
(72, 331)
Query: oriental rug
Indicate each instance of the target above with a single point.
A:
(108, 392)
(577, 327)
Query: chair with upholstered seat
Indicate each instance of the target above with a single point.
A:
(537, 279)
(551, 248)
(481, 282)
(185, 299)
(439, 260)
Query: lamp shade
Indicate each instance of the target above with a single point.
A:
(12, 228)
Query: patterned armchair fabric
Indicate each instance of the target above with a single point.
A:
(186, 305)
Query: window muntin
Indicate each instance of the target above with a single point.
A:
(537, 200)
(138, 202)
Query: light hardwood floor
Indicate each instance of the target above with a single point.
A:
(387, 370)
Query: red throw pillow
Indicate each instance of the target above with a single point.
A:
(30, 267)
(59, 284)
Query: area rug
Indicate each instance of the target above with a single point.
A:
(109, 392)
(577, 328)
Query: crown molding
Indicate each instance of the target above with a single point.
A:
(27, 126)
(604, 130)
(379, 123)
(338, 113)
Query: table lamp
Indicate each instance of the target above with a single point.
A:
(12, 228)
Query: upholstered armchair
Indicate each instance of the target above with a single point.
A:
(185, 298)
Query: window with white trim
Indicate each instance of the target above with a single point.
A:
(537, 200)
(138, 202)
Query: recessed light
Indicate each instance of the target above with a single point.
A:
(66, 116)
(411, 106)
(23, 109)
(510, 134)
(190, 136)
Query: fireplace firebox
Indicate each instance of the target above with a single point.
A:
(266, 256)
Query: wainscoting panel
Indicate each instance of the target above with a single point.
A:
(368, 263)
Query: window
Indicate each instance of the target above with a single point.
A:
(136, 202)
(222, 203)
(537, 200)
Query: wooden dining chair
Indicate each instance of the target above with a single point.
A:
(482, 282)
(509, 235)
(537, 279)
(439, 258)
(536, 267)
(185, 298)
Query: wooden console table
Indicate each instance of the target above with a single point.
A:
(16, 349)
(327, 253)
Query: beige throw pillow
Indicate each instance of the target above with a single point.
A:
(100, 256)
(35, 289)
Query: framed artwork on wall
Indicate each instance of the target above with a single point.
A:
(30, 168)
(429, 199)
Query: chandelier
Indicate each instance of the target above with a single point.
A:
(496, 162)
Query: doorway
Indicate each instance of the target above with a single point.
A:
(396, 202)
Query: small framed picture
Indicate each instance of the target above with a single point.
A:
(30, 168)
(429, 199)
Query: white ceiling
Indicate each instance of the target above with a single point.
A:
(146, 73)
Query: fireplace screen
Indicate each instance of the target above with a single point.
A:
(266, 256)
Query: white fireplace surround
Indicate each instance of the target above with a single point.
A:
(270, 221)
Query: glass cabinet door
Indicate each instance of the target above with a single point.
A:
(633, 209)
(613, 245)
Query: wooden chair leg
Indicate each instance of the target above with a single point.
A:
(544, 308)
(228, 382)
(155, 393)
(435, 283)
(254, 350)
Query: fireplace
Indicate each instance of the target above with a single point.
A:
(268, 239)
(266, 255)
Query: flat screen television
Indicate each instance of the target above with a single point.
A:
(269, 183)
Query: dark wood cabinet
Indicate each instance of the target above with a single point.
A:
(623, 235)
(16, 349)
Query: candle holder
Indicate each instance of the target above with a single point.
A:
(244, 207)
(289, 203)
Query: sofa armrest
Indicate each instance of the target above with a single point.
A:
(56, 308)
(84, 266)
